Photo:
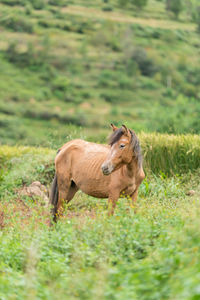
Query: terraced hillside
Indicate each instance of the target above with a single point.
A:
(87, 63)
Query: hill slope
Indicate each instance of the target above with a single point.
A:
(81, 64)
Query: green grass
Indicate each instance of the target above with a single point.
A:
(153, 254)
(68, 71)
(81, 65)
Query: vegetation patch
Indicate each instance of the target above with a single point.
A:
(88, 253)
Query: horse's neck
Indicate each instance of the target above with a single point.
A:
(132, 168)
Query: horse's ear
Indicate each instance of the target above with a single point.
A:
(125, 130)
(114, 128)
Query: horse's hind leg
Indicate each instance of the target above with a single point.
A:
(67, 190)
(72, 191)
(63, 191)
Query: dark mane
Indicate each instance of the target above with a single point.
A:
(117, 134)
(136, 147)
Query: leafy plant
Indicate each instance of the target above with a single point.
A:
(176, 6)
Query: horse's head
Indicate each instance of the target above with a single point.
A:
(121, 151)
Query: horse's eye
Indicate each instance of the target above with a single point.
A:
(122, 146)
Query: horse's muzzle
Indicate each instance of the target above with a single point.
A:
(107, 169)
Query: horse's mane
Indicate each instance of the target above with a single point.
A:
(117, 134)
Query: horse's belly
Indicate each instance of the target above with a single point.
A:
(97, 194)
(88, 176)
(94, 188)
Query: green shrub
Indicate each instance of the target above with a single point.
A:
(149, 83)
(61, 84)
(107, 8)
(28, 9)
(13, 2)
(123, 3)
(124, 82)
(30, 58)
(57, 2)
(38, 4)
(145, 64)
(190, 90)
(193, 75)
(139, 3)
(45, 23)
(176, 6)
(107, 78)
(196, 17)
(18, 23)
(110, 96)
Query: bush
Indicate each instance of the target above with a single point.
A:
(107, 8)
(13, 2)
(30, 58)
(139, 3)
(38, 4)
(57, 2)
(60, 84)
(196, 17)
(176, 6)
(125, 82)
(145, 64)
(111, 97)
(123, 3)
(107, 79)
(28, 9)
(193, 76)
(18, 24)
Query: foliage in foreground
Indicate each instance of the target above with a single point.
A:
(153, 254)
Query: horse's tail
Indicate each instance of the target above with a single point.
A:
(54, 198)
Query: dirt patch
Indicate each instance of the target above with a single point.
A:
(30, 207)
(19, 213)
(36, 189)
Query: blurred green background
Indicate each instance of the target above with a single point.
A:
(69, 68)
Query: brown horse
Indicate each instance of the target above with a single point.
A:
(102, 171)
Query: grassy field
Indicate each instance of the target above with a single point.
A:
(67, 70)
(153, 254)
(80, 63)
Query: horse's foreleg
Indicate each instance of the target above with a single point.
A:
(135, 193)
(134, 196)
(134, 199)
(112, 201)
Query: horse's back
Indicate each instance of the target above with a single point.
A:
(81, 151)
(83, 146)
